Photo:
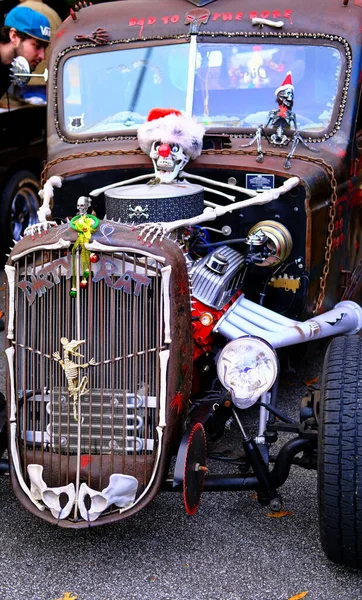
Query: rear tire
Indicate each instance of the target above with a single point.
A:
(19, 202)
(340, 453)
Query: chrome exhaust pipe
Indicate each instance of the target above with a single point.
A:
(248, 318)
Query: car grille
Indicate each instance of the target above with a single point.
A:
(118, 319)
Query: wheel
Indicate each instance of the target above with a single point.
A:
(194, 468)
(19, 202)
(340, 452)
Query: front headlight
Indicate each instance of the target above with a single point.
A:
(247, 367)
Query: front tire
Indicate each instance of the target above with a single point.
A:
(340, 453)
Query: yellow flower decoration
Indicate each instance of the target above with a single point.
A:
(85, 225)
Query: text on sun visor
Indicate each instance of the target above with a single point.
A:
(215, 16)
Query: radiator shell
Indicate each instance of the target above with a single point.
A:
(113, 242)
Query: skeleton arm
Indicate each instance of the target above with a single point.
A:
(44, 211)
(98, 191)
(57, 357)
(220, 184)
(270, 119)
(47, 194)
(95, 193)
(88, 364)
(227, 196)
(210, 214)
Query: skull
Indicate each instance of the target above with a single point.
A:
(286, 97)
(138, 212)
(168, 161)
(83, 203)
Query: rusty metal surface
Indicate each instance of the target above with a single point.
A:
(137, 23)
(139, 19)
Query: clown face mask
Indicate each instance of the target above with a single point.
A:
(168, 161)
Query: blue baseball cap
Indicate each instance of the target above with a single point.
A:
(29, 21)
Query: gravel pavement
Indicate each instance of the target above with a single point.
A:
(230, 550)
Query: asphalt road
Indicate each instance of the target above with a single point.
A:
(230, 550)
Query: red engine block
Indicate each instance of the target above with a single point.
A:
(204, 319)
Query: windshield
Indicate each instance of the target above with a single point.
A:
(234, 85)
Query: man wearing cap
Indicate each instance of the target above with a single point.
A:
(37, 85)
(25, 33)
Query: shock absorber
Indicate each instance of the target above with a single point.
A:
(267, 493)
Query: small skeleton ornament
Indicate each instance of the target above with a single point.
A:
(170, 140)
(281, 119)
(76, 388)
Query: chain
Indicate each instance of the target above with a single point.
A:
(225, 151)
(61, 159)
(329, 240)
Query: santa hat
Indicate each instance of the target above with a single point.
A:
(287, 83)
(169, 126)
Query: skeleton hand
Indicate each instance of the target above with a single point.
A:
(155, 230)
(92, 362)
(56, 355)
(39, 228)
(165, 227)
(79, 5)
(210, 214)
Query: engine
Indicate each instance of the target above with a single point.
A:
(219, 277)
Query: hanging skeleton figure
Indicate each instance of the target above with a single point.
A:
(71, 370)
(281, 119)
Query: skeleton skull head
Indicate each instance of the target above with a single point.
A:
(286, 97)
(168, 160)
(83, 203)
(285, 92)
(170, 140)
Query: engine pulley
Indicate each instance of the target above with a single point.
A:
(277, 242)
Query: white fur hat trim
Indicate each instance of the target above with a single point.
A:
(172, 129)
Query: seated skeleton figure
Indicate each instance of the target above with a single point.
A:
(281, 119)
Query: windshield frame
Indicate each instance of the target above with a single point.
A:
(337, 42)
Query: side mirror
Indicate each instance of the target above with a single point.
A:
(20, 72)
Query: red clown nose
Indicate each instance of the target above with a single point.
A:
(164, 150)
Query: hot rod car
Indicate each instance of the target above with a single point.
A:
(200, 218)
